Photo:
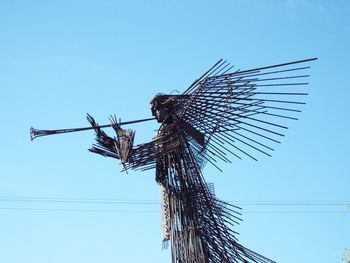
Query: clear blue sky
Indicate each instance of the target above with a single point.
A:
(62, 59)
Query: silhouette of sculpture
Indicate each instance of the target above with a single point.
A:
(224, 112)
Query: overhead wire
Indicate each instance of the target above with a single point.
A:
(105, 201)
(145, 201)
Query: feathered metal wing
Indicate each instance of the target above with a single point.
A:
(242, 112)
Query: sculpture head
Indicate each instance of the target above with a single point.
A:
(162, 107)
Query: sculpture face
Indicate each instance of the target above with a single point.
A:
(162, 108)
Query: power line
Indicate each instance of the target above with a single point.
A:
(155, 202)
(79, 201)
(77, 210)
(58, 201)
(153, 211)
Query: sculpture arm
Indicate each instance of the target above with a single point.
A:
(121, 146)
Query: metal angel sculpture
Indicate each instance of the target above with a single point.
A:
(223, 113)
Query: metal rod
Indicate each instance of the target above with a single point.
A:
(274, 66)
(201, 77)
(37, 133)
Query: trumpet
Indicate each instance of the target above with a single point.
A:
(34, 133)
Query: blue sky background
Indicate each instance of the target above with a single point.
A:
(62, 59)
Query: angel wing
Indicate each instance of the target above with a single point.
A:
(242, 112)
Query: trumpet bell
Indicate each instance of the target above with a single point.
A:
(36, 133)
